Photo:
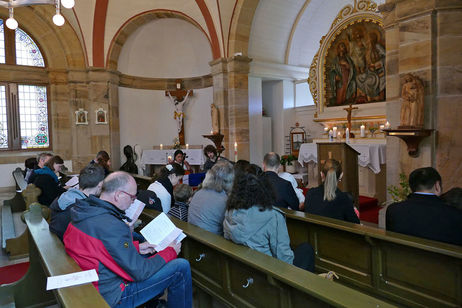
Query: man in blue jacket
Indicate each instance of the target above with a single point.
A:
(99, 239)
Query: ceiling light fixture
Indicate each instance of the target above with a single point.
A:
(58, 19)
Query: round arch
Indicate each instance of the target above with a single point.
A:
(60, 46)
(132, 24)
(241, 23)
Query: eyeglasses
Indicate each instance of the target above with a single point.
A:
(132, 197)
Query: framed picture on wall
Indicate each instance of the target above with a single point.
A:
(101, 116)
(81, 117)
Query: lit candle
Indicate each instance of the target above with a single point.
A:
(363, 131)
(339, 134)
(382, 127)
(161, 146)
(211, 132)
(187, 146)
(387, 125)
(326, 129)
(347, 135)
(235, 151)
(335, 131)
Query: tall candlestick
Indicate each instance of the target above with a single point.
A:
(347, 135)
(363, 131)
(187, 146)
(161, 146)
(334, 129)
(387, 125)
(235, 151)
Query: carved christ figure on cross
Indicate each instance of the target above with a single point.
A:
(178, 113)
(349, 110)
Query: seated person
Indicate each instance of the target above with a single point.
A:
(208, 205)
(253, 221)
(99, 239)
(149, 198)
(211, 153)
(47, 180)
(103, 159)
(179, 158)
(423, 213)
(282, 189)
(30, 165)
(169, 176)
(182, 194)
(453, 197)
(299, 192)
(42, 159)
(326, 199)
(90, 181)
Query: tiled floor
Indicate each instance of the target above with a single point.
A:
(19, 228)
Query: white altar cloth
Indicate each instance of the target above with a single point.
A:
(160, 157)
(371, 155)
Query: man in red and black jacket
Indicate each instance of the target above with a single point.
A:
(99, 239)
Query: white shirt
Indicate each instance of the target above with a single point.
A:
(162, 194)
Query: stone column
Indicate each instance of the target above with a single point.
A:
(230, 95)
(425, 38)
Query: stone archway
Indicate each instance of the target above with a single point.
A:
(241, 25)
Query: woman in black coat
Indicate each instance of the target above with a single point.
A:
(47, 180)
(327, 200)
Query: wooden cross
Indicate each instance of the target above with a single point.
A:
(179, 94)
(349, 110)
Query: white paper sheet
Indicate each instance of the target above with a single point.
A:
(73, 279)
(161, 232)
(134, 211)
(73, 181)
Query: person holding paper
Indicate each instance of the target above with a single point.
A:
(170, 175)
(98, 238)
(90, 181)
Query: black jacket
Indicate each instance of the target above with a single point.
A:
(339, 208)
(283, 191)
(50, 188)
(426, 216)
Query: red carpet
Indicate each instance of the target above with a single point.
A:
(12, 273)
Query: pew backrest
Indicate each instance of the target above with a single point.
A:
(18, 175)
(55, 261)
(408, 270)
(143, 182)
(243, 277)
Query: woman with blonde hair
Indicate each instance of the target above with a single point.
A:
(327, 200)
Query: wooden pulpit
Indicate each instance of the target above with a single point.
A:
(348, 157)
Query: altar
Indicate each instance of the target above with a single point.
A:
(153, 159)
(371, 165)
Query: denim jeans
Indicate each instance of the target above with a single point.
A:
(175, 275)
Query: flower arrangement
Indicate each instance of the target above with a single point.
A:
(287, 159)
(176, 143)
(400, 193)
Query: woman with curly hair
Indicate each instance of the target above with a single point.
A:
(253, 221)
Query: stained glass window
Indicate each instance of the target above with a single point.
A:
(33, 115)
(27, 52)
(3, 119)
(2, 42)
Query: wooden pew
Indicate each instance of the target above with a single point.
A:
(408, 270)
(47, 257)
(242, 277)
(142, 181)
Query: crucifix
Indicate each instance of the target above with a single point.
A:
(181, 96)
(349, 110)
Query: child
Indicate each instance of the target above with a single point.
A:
(182, 194)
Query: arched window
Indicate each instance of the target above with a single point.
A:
(23, 106)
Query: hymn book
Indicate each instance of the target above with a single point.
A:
(161, 232)
(134, 211)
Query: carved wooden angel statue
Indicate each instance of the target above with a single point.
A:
(412, 108)
(215, 119)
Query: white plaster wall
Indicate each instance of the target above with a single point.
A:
(256, 131)
(166, 48)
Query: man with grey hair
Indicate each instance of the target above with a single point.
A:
(282, 189)
(99, 239)
(42, 159)
(208, 205)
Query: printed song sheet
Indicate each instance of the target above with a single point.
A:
(73, 279)
(161, 232)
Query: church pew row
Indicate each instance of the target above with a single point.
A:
(241, 277)
(47, 257)
(408, 270)
(142, 181)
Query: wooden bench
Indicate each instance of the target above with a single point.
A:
(47, 258)
(242, 277)
(16, 204)
(142, 181)
(407, 270)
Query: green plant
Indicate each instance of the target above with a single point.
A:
(400, 193)
(287, 159)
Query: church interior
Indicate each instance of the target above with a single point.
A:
(374, 84)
